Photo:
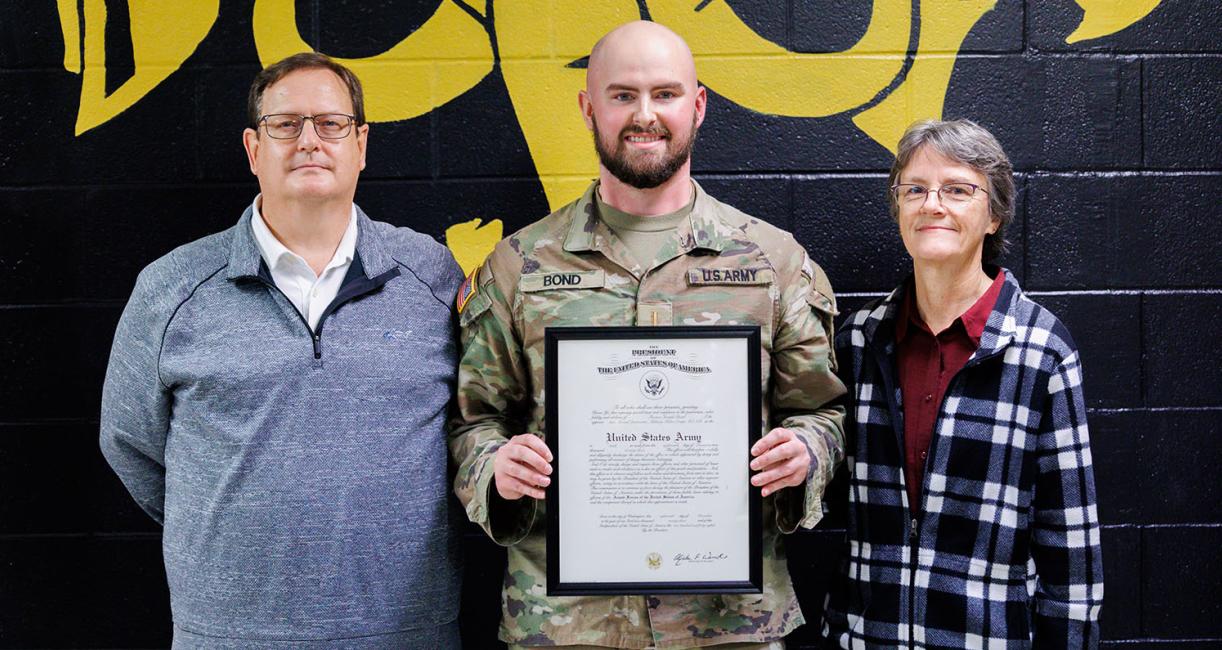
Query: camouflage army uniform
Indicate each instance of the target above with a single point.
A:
(500, 394)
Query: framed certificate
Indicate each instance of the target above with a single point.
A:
(651, 430)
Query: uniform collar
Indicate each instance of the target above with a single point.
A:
(703, 228)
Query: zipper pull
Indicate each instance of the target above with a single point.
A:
(913, 534)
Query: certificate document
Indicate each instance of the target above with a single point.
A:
(651, 430)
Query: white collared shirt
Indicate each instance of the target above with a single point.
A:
(309, 293)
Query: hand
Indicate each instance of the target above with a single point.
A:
(520, 467)
(781, 460)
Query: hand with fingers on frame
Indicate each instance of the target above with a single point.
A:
(781, 460)
(522, 467)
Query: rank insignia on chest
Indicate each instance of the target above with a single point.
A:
(468, 289)
(726, 275)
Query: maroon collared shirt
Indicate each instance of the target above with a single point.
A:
(926, 363)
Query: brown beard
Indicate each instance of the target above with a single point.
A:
(653, 172)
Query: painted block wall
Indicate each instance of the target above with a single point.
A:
(120, 139)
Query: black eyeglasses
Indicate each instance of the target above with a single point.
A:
(948, 193)
(287, 126)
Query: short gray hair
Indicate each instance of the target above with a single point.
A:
(967, 143)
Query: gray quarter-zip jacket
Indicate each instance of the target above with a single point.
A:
(300, 475)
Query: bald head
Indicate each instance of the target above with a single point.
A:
(644, 106)
(640, 47)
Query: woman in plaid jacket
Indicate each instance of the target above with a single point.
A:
(972, 519)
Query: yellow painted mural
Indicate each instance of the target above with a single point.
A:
(443, 59)
(163, 36)
(471, 241)
(1105, 17)
(884, 80)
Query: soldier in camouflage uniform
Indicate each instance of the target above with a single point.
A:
(713, 265)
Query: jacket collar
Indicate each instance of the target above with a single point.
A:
(245, 261)
(971, 322)
(1002, 326)
(704, 227)
(999, 331)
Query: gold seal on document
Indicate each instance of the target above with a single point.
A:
(654, 560)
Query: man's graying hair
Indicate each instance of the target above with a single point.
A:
(967, 143)
(303, 61)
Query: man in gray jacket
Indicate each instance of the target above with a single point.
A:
(276, 398)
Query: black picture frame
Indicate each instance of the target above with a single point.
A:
(750, 346)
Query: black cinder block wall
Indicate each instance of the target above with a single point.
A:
(1116, 139)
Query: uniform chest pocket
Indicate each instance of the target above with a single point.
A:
(569, 299)
(730, 295)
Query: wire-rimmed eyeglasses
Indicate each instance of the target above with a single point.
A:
(287, 126)
(948, 193)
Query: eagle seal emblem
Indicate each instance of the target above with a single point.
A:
(654, 385)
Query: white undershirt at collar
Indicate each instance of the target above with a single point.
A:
(309, 293)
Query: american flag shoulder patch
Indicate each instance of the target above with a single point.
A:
(467, 290)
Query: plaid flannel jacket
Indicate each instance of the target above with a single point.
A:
(1004, 552)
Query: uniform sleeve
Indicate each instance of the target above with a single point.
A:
(493, 389)
(805, 392)
(1065, 536)
(135, 404)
